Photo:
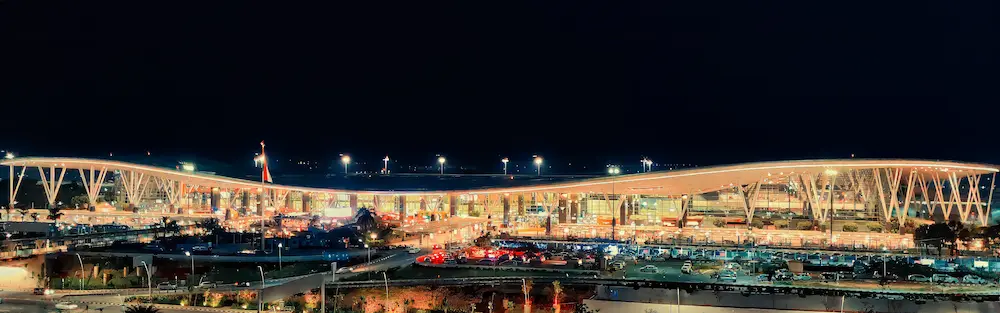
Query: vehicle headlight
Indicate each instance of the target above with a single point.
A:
(49, 291)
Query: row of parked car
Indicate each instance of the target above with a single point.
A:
(947, 279)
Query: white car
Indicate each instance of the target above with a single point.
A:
(944, 278)
(687, 268)
(728, 276)
(973, 279)
(618, 265)
(166, 286)
(918, 278)
(344, 270)
(648, 269)
(207, 285)
(66, 306)
(413, 250)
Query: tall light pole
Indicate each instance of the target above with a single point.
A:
(346, 159)
(279, 256)
(386, 279)
(188, 254)
(441, 164)
(538, 164)
(260, 294)
(647, 164)
(386, 166)
(149, 280)
(504, 160)
(82, 274)
(833, 179)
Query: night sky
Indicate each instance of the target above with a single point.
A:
(577, 82)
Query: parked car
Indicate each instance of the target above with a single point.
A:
(783, 276)
(918, 278)
(42, 291)
(66, 306)
(727, 276)
(166, 286)
(413, 250)
(762, 277)
(618, 265)
(973, 279)
(658, 258)
(944, 279)
(687, 268)
(241, 284)
(802, 276)
(648, 269)
(207, 285)
(344, 270)
(485, 262)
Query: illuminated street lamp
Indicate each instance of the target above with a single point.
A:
(346, 159)
(441, 164)
(279, 256)
(538, 164)
(188, 254)
(647, 164)
(504, 160)
(386, 166)
(614, 170)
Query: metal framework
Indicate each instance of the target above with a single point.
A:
(889, 187)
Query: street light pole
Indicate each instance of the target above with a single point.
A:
(188, 253)
(279, 255)
(149, 280)
(505, 160)
(260, 294)
(82, 274)
(386, 279)
(538, 164)
(441, 164)
(346, 159)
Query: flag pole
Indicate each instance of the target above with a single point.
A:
(260, 197)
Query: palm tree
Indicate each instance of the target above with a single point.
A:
(366, 220)
(142, 309)
(34, 217)
(557, 291)
(54, 214)
(23, 212)
(527, 295)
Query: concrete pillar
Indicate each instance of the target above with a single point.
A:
(244, 202)
(453, 204)
(215, 199)
(506, 210)
(472, 204)
(563, 208)
(574, 208)
(520, 205)
(306, 205)
(354, 202)
(401, 207)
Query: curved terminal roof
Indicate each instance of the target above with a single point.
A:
(664, 183)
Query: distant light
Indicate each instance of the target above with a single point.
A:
(441, 159)
(345, 159)
(11, 156)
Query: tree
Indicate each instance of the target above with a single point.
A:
(366, 220)
(80, 200)
(557, 291)
(34, 217)
(24, 212)
(757, 224)
(526, 288)
(850, 227)
(142, 309)
(8, 209)
(54, 214)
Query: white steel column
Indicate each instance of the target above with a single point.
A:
(173, 189)
(135, 186)
(14, 188)
(989, 201)
(749, 195)
(92, 183)
(909, 195)
(51, 185)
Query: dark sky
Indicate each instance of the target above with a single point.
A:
(589, 82)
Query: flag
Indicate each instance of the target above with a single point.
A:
(265, 173)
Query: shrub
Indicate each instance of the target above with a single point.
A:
(718, 222)
(850, 227)
(804, 225)
(780, 224)
(875, 227)
(757, 224)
